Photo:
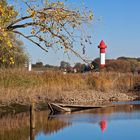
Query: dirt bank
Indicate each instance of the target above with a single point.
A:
(95, 97)
(70, 97)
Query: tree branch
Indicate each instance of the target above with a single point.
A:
(18, 20)
(21, 25)
(67, 47)
(31, 40)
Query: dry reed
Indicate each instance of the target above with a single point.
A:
(19, 85)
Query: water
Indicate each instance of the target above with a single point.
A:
(112, 123)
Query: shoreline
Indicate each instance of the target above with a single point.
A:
(22, 87)
(84, 97)
(71, 97)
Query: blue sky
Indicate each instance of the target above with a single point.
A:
(120, 26)
(117, 22)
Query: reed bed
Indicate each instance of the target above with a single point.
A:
(20, 85)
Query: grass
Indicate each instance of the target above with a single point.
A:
(18, 85)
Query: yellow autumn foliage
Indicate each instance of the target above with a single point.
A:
(52, 23)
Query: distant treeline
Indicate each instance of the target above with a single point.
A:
(41, 66)
(121, 64)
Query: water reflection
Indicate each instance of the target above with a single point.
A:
(17, 127)
(103, 125)
(78, 125)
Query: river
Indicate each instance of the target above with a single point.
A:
(111, 123)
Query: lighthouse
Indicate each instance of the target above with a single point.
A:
(102, 46)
